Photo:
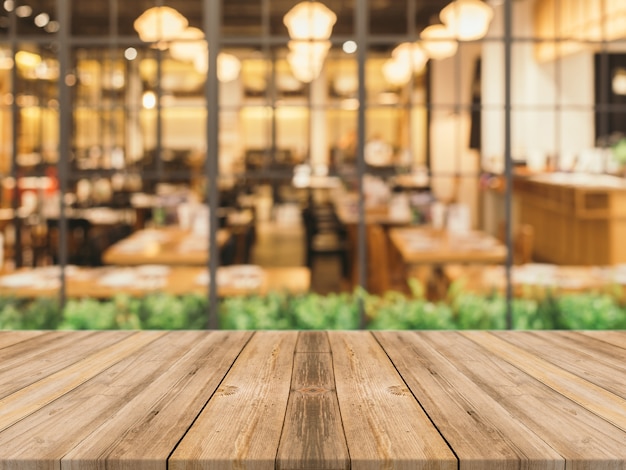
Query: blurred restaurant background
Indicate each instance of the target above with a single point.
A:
(239, 147)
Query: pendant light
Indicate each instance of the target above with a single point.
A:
(468, 20)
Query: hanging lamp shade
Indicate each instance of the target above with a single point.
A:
(397, 72)
(467, 19)
(310, 21)
(188, 44)
(438, 42)
(412, 54)
(160, 24)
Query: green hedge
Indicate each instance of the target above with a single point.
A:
(312, 311)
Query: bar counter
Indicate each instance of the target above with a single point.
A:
(312, 400)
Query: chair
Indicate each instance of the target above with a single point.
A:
(324, 236)
(385, 271)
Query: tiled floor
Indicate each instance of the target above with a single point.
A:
(281, 244)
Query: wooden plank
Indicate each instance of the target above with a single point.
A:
(616, 338)
(189, 369)
(241, 425)
(47, 435)
(595, 361)
(384, 425)
(313, 432)
(42, 392)
(29, 361)
(583, 438)
(590, 396)
(479, 429)
(9, 338)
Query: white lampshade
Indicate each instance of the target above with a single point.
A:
(412, 54)
(160, 24)
(397, 72)
(310, 20)
(438, 42)
(467, 19)
(188, 45)
(306, 58)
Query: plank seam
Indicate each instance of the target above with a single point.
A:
(458, 460)
(217, 387)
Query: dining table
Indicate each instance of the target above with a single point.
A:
(106, 282)
(316, 400)
(422, 244)
(170, 245)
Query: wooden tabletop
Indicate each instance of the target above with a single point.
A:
(164, 245)
(424, 245)
(312, 400)
(102, 283)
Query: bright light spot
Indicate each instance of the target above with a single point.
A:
(130, 53)
(52, 27)
(149, 100)
(9, 5)
(70, 79)
(23, 11)
(349, 47)
(42, 19)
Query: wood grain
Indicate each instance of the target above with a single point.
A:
(312, 434)
(616, 338)
(13, 337)
(479, 429)
(35, 396)
(160, 412)
(587, 394)
(29, 361)
(583, 438)
(385, 427)
(241, 425)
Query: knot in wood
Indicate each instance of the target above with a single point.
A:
(312, 390)
(399, 390)
(226, 390)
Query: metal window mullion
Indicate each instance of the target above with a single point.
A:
(63, 12)
(361, 28)
(508, 162)
(211, 23)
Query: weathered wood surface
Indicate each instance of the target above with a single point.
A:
(313, 400)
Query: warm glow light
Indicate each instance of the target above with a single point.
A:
(438, 42)
(160, 24)
(467, 19)
(130, 53)
(228, 66)
(397, 72)
(6, 61)
(23, 11)
(411, 54)
(349, 47)
(42, 19)
(306, 58)
(310, 20)
(618, 83)
(27, 60)
(188, 45)
(148, 100)
(52, 27)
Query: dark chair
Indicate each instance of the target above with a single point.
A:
(325, 236)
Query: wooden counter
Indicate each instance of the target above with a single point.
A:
(312, 400)
(578, 220)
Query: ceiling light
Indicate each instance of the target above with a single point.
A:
(467, 19)
(52, 27)
(228, 66)
(618, 84)
(306, 58)
(158, 24)
(397, 72)
(310, 20)
(9, 5)
(412, 54)
(42, 19)
(438, 42)
(349, 47)
(23, 11)
(130, 53)
(148, 100)
(188, 45)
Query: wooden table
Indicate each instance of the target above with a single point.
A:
(180, 280)
(313, 400)
(165, 245)
(424, 245)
